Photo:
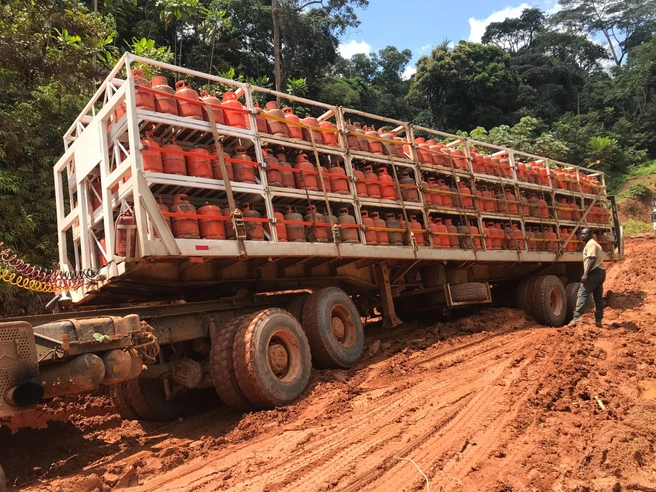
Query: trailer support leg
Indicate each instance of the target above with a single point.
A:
(390, 320)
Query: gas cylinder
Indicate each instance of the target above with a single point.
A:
(539, 236)
(211, 228)
(173, 163)
(576, 212)
(543, 174)
(445, 193)
(351, 138)
(370, 237)
(311, 121)
(295, 232)
(478, 163)
(424, 155)
(487, 238)
(575, 182)
(493, 239)
(501, 236)
(441, 154)
(363, 143)
(275, 127)
(326, 178)
(404, 225)
(509, 241)
(417, 228)
(382, 237)
(560, 180)
(199, 165)
(433, 233)
(184, 227)
(534, 205)
(473, 229)
(386, 184)
(338, 179)
(329, 219)
(464, 239)
(143, 99)
(151, 156)
(348, 234)
(502, 206)
(307, 178)
(455, 196)
(217, 109)
(442, 238)
(216, 167)
(164, 100)
(233, 111)
(388, 145)
(273, 174)
(391, 222)
(564, 212)
(229, 228)
(531, 173)
(188, 104)
(530, 236)
(505, 170)
(373, 190)
(544, 207)
(521, 172)
(511, 201)
(398, 146)
(281, 230)
(454, 241)
(126, 235)
(465, 195)
(524, 205)
(428, 198)
(573, 244)
(286, 171)
(328, 134)
(489, 202)
(518, 237)
(551, 236)
(436, 196)
(491, 165)
(318, 227)
(260, 121)
(360, 185)
(409, 190)
(244, 172)
(375, 146)
(459, 159)
(163, 208)
(295, 131)
(254, 229)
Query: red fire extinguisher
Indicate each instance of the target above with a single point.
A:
(126, 235)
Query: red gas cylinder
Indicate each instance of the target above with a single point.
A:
(199, 165)
(424, 155)
(363, 143)
(151, 156)
(143, 99)
(173, 163)
(254, 229)
(487, 238)
(544, 208)
(233, 111)
(543, 174)
(286, 171)
(491, 165)
(505, 170)
(399, 147)
(564, 212)
(382, 237)
(518, 237)
(501, 236)
(436, 196)
(386, 184)
(576, 212)
(329, 219)
(338, 179)
(373, 190)
(126, 235)
(295, 232)
(181, 226)
(425, 191)
(465, 195)
(574, 181)
(318, 226)
(573, 244)
(552, 244)
(281, 230)
(375, 146)
(307, 178)
(473, 229)
(441, 154)
(276, 127)
(459, 159)
(260, 121)
(313, 123)
(360, 185)
(326, 179)
(388, 145)
(532, 173)
(211, 227)
(454, 241)
(348, 234)
(530, 236)
(188, 101)
(524, 207)
(464, 239)
(539, 237)
(295, 131)
(409, 190)
(433, 232)
(229, 228)
(370, 237)
(445, 193)
(351, 138)
(164, 100)
(417, 229)
(521, 172)
(216, 167)
(217, 108)
(511, 200)
(534, 205)
(329, 133)
(478, 163)
(391, 222)
(243, 171)
(442, 237)
(163, 208)
(273, 174)
(493, 242)
(502, 206)
(489, 202)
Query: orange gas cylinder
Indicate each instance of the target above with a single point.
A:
(455, 196)
(534, 205)
(338, 179)
(473, 229)
(281, 230)
(478, 163)
(454, 241)
(164, 100)
(543, 173)
(151, 156)
(295, 131)
(532, 173)
(211, 227)
(575, 182)
(391, 222)
(313, 123)
(417, 229)
(382, 237)
(363, 144)
(386, 184)
(216, 167)
(126, 235)
(424, 155)
(521, 172)
(233, 111)
(563, 238)
(441, 231)
(388, 145)
(539, 236)
(445, 193)
(188, 102)
(465, 195)
(487, 238)
(351, 138)
(306, 178)
(273, 174)
(286, 171)
(564, 212)
(573, 244)
(530, 236)
(493, 167)
(373, 190)
(326, 179)
(511, 200)
(493, 242)
(100, 257)
(360, 185)
(173, 163)
(502, 206)
(229, 227)
(518, 237)
(433, 233)
(217, 109)
(464, 239)
(505, 170)
(441, 155)
(348, 234)
(436, 196)
(524, 207)
(260, 121)
(318, 227)
(488, 165)
(425, 191)
(254, 229)
(276, 127)
(370, 237)
(489, 202)
(459, 159)
(143, 99)
(409, 190)
(244, 172)
(329, 219)
(329, 133)
(375, 146)
(544, 208)
(295, 232)
(199, 165)
(184, 227)
(398, 146)
(551, 236)
(576, 212)
(559, 179)
(501, 236)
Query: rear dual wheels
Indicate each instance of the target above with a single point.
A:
(145, 399)
(544, 299)
(572, 295)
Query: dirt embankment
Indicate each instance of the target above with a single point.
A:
(491, 402)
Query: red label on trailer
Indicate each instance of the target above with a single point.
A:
(202, 248)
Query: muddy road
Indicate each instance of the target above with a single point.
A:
(492, 402)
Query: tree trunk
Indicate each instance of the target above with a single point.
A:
(275, 11)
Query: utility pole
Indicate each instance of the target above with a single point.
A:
(275, 15)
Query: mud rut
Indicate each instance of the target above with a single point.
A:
(511, 408)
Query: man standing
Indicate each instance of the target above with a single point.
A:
(592, 281)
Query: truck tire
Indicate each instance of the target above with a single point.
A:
(572, 295)
(549, 301)
(525, 295)
(295, 307)
(469, 291)
(146, 399)
(221, 366)
(271, 358)
(3, 480)
(118, 395)
(334, 329)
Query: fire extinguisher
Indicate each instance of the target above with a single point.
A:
(126, 235)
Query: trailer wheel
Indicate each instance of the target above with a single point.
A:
(221, 366)
(118, 395)
(333, 327)
(572, 295)
(146, 398)
(525, 295)
(469, 291)
(3, 480)
(549, 301)
(295, 307)
(271, 357)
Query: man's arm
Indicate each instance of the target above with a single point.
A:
(589, 263)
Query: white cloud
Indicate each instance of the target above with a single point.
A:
(425, 48)
(408, 72)
(477, 27)
(352, 47)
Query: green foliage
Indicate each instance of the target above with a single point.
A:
(636, 190)
(634, 227)
(601, 152)
(146, 48)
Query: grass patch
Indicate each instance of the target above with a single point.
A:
(633, 227)
(636, 190)
(641, 171)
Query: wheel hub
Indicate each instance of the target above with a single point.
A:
(278, 358)
(338, 327)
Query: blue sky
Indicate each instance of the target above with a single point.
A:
(420, 25)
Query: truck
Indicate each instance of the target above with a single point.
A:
(207, 243)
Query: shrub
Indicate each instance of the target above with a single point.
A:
(636, 190)
(633, 227)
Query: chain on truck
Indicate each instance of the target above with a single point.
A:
(212, 243)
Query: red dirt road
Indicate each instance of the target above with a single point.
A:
(492, 402)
